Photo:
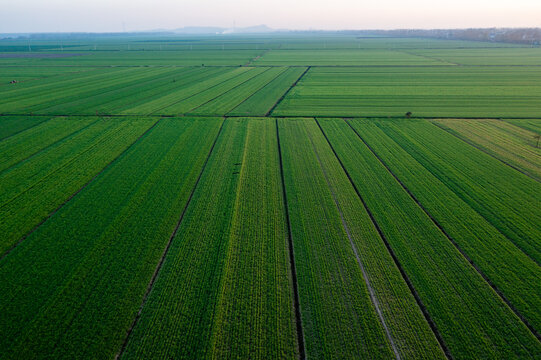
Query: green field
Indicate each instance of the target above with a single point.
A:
(267, 197)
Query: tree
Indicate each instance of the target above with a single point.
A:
(408, 114)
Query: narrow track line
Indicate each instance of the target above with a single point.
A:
(287, 92)
(371, 291)
(455, 244)
(296, 301)
(270, 116)
(395, 259)
(167, 247)
(21, 240)
(483, 150)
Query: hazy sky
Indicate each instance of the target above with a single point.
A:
(110, 15)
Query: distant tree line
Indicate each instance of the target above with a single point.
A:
(529, 36)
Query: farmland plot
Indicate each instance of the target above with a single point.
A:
(352, 244)
(206, 95)
(499, 260)
(73, 287)
(33, 189)
(343, 58)
(505, 197)
(230, 99)
(470, 317)
(25, 95)
(11, 125)
(28, 143)
(504, 56)
(424, 91)
(261, 102)
(226, 270)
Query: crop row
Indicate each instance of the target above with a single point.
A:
(73, 287)
(470, 317)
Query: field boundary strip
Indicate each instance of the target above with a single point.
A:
(483, 150)
(393, 255)
(167, 247)
(371, 292)
(50, 145)
(453, 242)
(109, 164)
(296, 300)
(287, 92)
(273, 116)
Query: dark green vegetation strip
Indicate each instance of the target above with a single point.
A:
(296, 301)
(67, 274)
(472, 319)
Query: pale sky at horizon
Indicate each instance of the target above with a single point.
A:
(137, 15)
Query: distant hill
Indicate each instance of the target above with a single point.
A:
(210, 30)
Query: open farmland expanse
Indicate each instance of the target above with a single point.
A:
(286, 196)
